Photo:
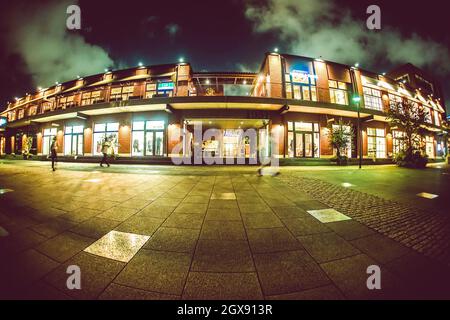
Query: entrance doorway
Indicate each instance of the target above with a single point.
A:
(232, 138)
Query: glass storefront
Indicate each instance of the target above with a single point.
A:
(376, 143)
(73, 140)
(303, 140)
(47, 140)
(147, 138)
(104, 131)
(429, 146)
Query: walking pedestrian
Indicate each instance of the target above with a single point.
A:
(105, 149)
(53, 153)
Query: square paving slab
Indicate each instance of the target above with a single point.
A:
(427, 195)
(120, 246)
(328, 215)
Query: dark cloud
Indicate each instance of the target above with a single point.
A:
(36, 31)
(322, 28)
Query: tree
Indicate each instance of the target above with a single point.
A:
(411, 119)
(340, 137)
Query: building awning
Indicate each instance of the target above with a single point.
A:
(73, 88)
(135, 77)
(101, 82)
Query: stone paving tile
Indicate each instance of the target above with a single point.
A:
(64, 246)
(96, 273)
(350, 229)
(223, 204)
(380, 248)
(184, 220)
(222, 256)
(22, 270)
(311, 205)
(223, 195)
(272, 240)
(196, 199)
(20, 241)
(350, 275)
(305, 226)
(173, 239)
(135, 203)
(254, 208)
(167, 201)
(158, 271)
(140, 225)
(95, 227)
(223, 230)
(118, 213)
(289, 212)
(100, 205)
(264, 220)
(192, 208)
(156, 211)
(118, 292)
(222, 286)
(325, 247)
(288, 272)
(329, 292)
(80, 214)
(223, 214)
(424, 276)
(43, 291)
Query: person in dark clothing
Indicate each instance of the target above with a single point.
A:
(105, 149)
(53, 153)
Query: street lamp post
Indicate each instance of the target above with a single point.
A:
(357, 99)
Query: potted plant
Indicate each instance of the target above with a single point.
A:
(340, 136)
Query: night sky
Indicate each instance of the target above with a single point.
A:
(37, 50)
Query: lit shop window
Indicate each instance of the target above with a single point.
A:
(32, 110)
(47, 140)
(427, 114)
(67, 102)
(437, 119)
(90, 97)
(372, 99)
(398, 140)
(165, 89)
(376, 143)
(48, 105)
(301, 86)
(303, 139)
(150, 90)
(147, 138)
(20, 114)
(109, 132)
(338, 92)
(73, 140)
(348, 132)
(121, 93)
(395, 100)
(429, 146)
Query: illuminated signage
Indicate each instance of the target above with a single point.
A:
(165, 86)
(3, 122)
(299, 76)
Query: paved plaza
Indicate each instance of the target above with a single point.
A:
(156, 232)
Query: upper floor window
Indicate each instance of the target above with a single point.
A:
(90, 97)
(395, 100)
(121, 93)
(150, 90)
(65, 102)
(437, 118)
(427, 114)
(20, 114)
(338, 92)
(372, 99)
(376, 143)
(301, 86)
